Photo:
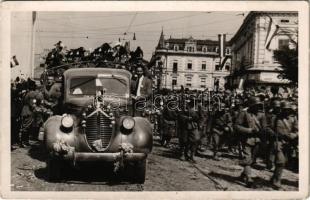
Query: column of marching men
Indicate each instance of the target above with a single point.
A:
(257, 122)
(251, 124)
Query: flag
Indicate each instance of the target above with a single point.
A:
(34, 16)
(271, 32)
(14, 62)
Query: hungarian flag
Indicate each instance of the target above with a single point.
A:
(273, 29)
(14, 62)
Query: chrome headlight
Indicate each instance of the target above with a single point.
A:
(67, 121)
(128, 123)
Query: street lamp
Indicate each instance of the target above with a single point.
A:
(134, 35)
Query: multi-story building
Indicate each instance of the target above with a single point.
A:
(191, 63)
(253, 47)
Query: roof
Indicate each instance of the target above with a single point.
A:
(95, 71)
(251, 15)
(199, 42)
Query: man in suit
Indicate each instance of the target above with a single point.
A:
(143, 85)
(142, 90)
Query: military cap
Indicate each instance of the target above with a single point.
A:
(294, 107)
(276, 103)
(254, 101)
(286, 105)
(238, 101)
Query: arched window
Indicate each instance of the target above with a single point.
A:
(176, 48)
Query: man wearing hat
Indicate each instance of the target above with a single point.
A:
(250, 124)
(286, 133)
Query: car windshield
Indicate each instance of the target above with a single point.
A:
(91, 85)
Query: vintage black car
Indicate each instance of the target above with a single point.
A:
(97, 123)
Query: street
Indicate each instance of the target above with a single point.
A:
(165, 172)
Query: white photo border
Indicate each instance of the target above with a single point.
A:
(303, 102)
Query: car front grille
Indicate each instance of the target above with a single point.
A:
(99, 127)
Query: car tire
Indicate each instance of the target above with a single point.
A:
(54, 168)
(139, 172)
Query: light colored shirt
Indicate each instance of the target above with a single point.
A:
(140, 86)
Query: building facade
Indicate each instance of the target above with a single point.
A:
(191, 63)
(254, 44)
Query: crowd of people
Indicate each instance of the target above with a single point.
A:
(32, 103)
(252, 123)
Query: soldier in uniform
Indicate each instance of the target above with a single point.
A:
(15, 113)
(222, 127)
(190, 135)
(271, 117)
(250, 124)
(286, 133)
(169, 123)
(237, 108)
(29, 115)
(203, 121)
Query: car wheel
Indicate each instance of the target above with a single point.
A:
(54, 167)
(140, 171)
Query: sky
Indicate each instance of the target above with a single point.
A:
(92, 29)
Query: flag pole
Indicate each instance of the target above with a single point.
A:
(32, 50)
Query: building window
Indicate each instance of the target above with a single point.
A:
(189, 79)
(175, 67)
(284, 21)
(283, 44)
(176, 47)
(217, 67)
(189, 65)
(202, 86)
(227, 67)
(188, 84)
(203, 65)
(174, 82)
(210, 48)
(203, 80)
(204, 49)
(228, 51)
(190, 49)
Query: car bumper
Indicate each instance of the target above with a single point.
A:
(107, 157)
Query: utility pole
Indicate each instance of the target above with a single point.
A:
(32, 45)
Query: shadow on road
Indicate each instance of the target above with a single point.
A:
(290, 183)
(37, 151)
(228, 178)
(85, 173)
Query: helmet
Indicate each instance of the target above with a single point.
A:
(286, 105)
(254, 101)
(238, 101)
(276, 103)
(294, 107)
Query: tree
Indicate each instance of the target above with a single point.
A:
(288, 59)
